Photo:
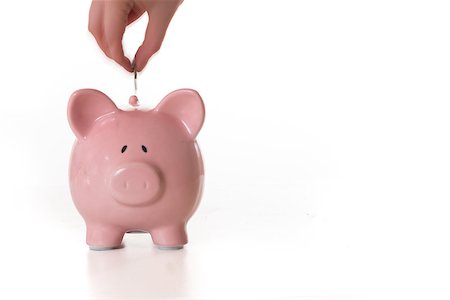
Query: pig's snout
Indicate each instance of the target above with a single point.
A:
(135, 184)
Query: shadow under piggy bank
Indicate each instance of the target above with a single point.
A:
(137, 272)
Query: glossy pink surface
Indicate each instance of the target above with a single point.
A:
(136, 170)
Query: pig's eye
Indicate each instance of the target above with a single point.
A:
(124, 148)
(144, 148)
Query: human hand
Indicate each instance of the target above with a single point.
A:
(108, 20)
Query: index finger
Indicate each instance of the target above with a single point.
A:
(115, 20)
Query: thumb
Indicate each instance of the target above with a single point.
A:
(159, 19)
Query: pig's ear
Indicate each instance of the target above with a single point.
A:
(86, 106)
(187, 106)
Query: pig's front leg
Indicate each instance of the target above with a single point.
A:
(169, 237)
(103, 237)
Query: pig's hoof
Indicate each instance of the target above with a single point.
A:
(104, 248)
(161, 247)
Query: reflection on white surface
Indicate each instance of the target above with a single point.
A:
(137, 271)
(263, 250)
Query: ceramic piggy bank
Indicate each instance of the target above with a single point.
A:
(136, 170)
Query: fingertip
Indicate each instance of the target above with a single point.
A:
(140, 65)
(126, 64)
(115, 52)
(141, 59)
(123, 61)
(128, 68)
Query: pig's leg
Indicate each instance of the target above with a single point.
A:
(169, 237)
(101, 237)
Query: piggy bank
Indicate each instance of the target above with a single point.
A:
(136, 169)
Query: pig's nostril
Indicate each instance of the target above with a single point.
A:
(124, 148)
(133, 185)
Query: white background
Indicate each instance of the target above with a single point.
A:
(326, 148)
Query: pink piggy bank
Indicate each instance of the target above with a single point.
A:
(136, 170)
